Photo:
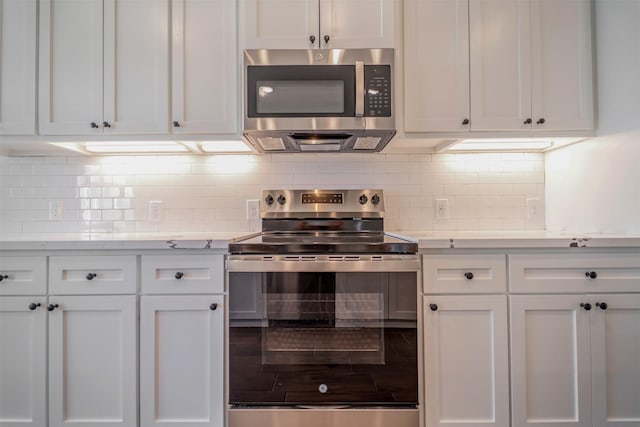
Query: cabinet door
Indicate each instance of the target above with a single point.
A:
(356, 24)
(550, 363)
(615, 356)
(205, 66)
(17, 67)
(500, 64)
(70, 91)
(23, 361)
(436, 69)
(136, 61)
(181, 378)
(562, 87)
(279, 24)
(92, 361)
(466, 361)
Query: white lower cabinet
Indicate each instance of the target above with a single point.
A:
(181, 360)
(23, 359)
(92, 361)
(550, 373)
(615, 360)
(575, 361)
(466, 360)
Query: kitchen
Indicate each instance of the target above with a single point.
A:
(488, 194)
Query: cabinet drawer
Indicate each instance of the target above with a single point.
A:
(182, 274)
(464, 274)
(584, 273)
(92, 275)
(23, 275)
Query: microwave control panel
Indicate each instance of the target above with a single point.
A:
(377, 99)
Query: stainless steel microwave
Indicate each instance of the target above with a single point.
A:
(318, 100)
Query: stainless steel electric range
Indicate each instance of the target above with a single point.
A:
(322, 327)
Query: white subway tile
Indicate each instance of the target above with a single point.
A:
(209, 193)
(112, 215)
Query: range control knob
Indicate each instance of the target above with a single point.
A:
(363, 199)
(282, 199)
(268, 200)
(375, 199)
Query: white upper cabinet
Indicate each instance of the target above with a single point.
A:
(561, 65)
(436, 68)
(204, 67)
(103, 66)
(521, 65)
(499, 65)
(303, 24)
(17, 67)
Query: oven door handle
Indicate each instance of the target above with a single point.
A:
(323, 263)
(359, 89)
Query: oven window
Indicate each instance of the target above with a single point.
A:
(308, 338)
(308, 96)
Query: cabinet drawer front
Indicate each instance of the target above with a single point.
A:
(23, 275)
(93, 274)
(558, 273)
(464, 273)
(182, 274)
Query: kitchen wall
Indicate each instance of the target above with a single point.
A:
(112, 194)
(594, 186)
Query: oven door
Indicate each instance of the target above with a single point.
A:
(323, 331)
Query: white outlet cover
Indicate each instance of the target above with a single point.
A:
(155, 210)
(442, 208)
(253, 210)
(56, 210)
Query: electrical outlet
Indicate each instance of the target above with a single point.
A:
(253, 210)
(56, 210)
(155, 210)
(442, 208)
(533, 209)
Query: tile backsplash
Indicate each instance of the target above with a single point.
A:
(209, 194)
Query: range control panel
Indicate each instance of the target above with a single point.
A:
(322, 198)
(322, 203)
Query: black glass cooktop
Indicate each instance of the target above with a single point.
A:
(321, 242)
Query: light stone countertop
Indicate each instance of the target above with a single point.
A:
(219, 240)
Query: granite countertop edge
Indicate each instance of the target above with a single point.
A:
(205, 240)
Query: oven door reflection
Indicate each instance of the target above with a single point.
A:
(309, 338)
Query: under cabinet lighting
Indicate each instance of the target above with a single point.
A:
(155, 147)
(131, 147)
(500, 144)
(224, 147)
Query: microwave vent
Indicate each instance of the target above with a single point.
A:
(272, 143)
(366, 143)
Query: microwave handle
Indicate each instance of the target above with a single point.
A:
(359, 88)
